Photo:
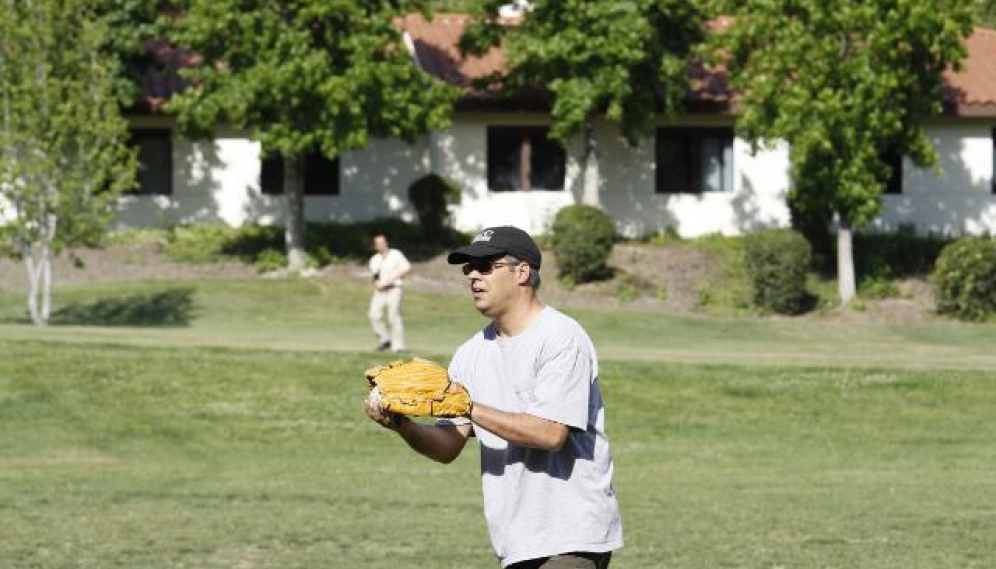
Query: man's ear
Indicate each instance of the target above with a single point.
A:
(522, 273)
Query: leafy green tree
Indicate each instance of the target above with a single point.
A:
(848, 88)
(985, 13)
(457, 6)
(135, 23)
(625, 60)
(305, 76)
(64, 156)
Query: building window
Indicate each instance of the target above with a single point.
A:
(894, 185)
(694, 160)
(155, 161)
(523, 158)
(321, 175)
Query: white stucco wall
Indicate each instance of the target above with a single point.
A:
(217, 181)
(627, 185)
(960, 200)
(756, 201)
(213, 182)
(461, 154)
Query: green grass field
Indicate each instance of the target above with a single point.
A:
(225, 431)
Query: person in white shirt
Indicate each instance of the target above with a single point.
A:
(537, 413)
(388, 267)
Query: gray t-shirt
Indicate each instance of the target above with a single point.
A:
(540, 503)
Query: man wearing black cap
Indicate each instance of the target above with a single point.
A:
(532, 373)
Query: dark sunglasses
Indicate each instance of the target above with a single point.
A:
(483, 265)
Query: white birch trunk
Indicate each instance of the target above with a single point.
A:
(46, 269)
(38, 263)
(846, 284)
(294, 212)
(28, 254)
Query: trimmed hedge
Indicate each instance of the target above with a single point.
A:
(964, 279)
(582, 238)
(777, 261)
(326, 243)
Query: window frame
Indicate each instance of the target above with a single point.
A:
(894, 185)
(537, 157)
(318, 172)
(692, 140)
(163, 186)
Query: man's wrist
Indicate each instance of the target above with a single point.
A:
(395, 421)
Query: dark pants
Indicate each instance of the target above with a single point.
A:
(577, 560)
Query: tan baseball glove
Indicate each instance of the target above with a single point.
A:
(417, 387)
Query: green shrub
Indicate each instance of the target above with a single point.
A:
(629, 287)
(198, 243)
(964, 278)
(138, 235)
(325, 243)
(878, 287)
(664, 236)
(270, 260)
(777, 261)
(902, 253)
(582, 238)
(431, 196)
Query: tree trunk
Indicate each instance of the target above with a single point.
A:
(294, 214)
(28, 254)
(845, 261)
(46, 271)
(38, 262)
(34, 264)
(591, 174)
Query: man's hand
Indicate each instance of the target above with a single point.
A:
(383, 418)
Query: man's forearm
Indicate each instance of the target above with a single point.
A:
(521, 429)
(442, 444)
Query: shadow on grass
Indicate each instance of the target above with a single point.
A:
(173, 307)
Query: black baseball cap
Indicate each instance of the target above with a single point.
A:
(495, 241)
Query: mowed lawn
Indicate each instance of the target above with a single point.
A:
(231, 435)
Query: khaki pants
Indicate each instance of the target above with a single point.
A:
(388, 301)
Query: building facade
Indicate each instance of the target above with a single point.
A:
(693, 177)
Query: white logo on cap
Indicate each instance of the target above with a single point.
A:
(484, 236)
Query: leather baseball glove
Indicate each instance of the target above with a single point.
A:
(417, 387)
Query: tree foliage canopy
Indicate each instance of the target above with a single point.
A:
(126, 51)
(626, 59)
(985, 13)
(320, 75)
(63, 142)
(63, 149)
(847, 87)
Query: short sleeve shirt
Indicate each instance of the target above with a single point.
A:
(540, 503)
(388, 264)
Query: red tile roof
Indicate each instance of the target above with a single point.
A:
(437, 49)
(972, 90)
(968, 92)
